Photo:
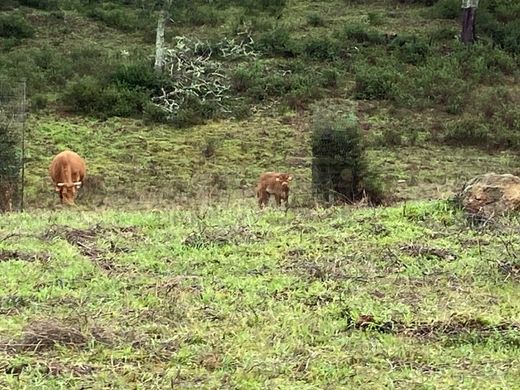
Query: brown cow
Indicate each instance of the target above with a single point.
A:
(67, 171)
(273, 183)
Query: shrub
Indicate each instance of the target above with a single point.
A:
(339, 168)
(315, 20)
(115, 100)
(375, 18)
(155, 114)
(135, 74)
(322, 48)
(447, 9)
(198, 15)
(82, 94)
(410, 50)
(89, 95)
(277, 41)
(261, 81)
(330, 78)
(357, 33)
(15, 26)
(484, 63)
(39, 102)
(468, 131)
(438, 83)
(375, 83)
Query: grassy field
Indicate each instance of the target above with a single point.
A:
(166, 274)
(413, 296)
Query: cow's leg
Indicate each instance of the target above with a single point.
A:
(263, 198)
(278, 199)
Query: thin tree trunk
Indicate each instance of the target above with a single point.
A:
(159, 40)
(468, 35)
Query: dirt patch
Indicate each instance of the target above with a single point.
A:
(44, 335)
(233, 235)
(456, 327)
(191, 284)
(428, 252)
(510, 268)
(298, 262)
(85, 240)
(7, 255)
(13, 304)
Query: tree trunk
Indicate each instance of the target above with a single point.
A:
(468, 35)
(159, 40)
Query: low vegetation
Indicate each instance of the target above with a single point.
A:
(406, 56)
(166, 274)
(407, 296)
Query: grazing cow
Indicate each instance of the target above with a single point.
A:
(67, 171)
(273, 183)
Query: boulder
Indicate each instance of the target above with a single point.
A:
(491, 194)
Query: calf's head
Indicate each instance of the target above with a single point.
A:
(284, 179)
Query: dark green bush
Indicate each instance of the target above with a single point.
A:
(410, 50)
(340, 171)
(198, 15)
(83, 94)
(315, 20)
(154, 114)
(88, 95)
(437, 83)
(447, 9)
(137, 74)
(39, 102)
(117, 100)
(375, 18)
(482, 63)
(277, 42)
(193, 112)
(375, 83)
(322, 48)
(359, 34)
(15, 26)
(330, 78)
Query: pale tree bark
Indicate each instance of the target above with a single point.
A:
(164, 14)
(469, 15)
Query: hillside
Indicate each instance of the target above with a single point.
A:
(434, 112)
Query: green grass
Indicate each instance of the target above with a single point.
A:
(232, 297)
(134, 165)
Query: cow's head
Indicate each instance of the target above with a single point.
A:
(68, 191)
(284, 179)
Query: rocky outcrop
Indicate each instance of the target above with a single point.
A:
(491, 194)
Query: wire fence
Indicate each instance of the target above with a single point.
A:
(13, 113)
